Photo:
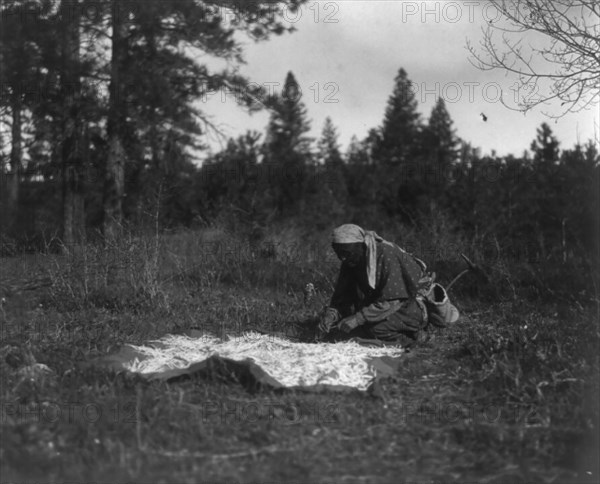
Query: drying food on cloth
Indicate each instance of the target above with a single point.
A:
(291, 364)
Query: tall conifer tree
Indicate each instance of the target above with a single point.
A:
(287, 148)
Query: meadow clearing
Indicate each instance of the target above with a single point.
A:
(509, 394)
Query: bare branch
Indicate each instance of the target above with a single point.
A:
(563, 50)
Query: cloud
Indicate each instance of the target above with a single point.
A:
(346, 70)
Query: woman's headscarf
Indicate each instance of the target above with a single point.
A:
(351, 234)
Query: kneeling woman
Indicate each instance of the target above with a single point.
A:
(376, 291)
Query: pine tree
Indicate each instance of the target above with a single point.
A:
(148, 120)
(21, 39)
(73, 126)
(327, 185)
(439, 152)
(288, 124)
(333, 163)
(328, 150)
(545, 146)
(287, 148)
(354, 154)
(42, 70)
(440, 134)
(114, 176)
(537, 208)
(396, 151)
(401, 124)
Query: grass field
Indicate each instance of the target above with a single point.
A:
(507, 395)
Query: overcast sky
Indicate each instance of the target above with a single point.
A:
(345, 55)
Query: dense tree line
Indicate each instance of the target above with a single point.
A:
(82, 160)
(98, 98)
(543, 203)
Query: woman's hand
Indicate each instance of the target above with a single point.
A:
(328, 319)
(351, 322)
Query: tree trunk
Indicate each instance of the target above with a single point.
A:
(114, 180)
(564, 240)
(73, 226)
(15, 162)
